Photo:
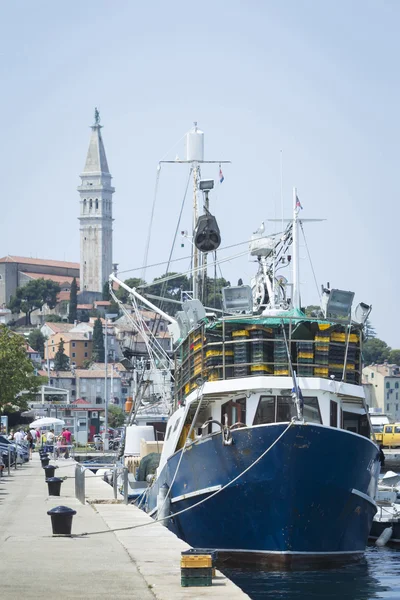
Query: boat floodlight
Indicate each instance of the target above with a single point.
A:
(206, 184)
(338, 303)
(237, 299)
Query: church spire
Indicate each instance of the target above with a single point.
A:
(95, 217)
(96, 161)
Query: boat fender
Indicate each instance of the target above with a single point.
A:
(163, 504)
(384, 537)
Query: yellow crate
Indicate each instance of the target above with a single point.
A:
(214, 353)
(197, 561)
(261, 367)
(323, 326)
(240, 333)
(305, 355)
(281, 372)
(321, 372)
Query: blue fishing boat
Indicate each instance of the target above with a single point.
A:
(267, 453)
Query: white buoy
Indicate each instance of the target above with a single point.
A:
(163, 504)
(384, 537)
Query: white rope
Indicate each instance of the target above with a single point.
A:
(172, 516)
(146, 253)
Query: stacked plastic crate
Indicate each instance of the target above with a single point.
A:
(196, 570)
(322, 340)
(261, 351)
(305, 359)
(281, 363)
(337, 355)
(214, 357)
(241, 352)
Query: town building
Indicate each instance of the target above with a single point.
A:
(95, 217)
(382, 388)
(17, 271)
(77, 346)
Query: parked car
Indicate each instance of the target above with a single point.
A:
(7, 448)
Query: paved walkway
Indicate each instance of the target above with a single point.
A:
(140, 564)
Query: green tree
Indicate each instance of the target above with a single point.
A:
(375, 351)
(133, 282)
(73, 302)
(34, 295)
(212, 296)
(53, 319)
(98, 342)
(169, 289)
(61, 360)
(106, 291)
(116, 416)
(369, 330)
(18, 382)
(36, 340)
(394, 357)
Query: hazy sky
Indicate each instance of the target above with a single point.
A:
(317, 79)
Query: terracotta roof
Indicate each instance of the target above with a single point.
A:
(56, 374)
(85, 306)
(31, 350)
(102, 303)
(39, 261)
(95, 374)
(59, 327)
(74, 336)
(47, 277)
(80, 401)
(63, 296)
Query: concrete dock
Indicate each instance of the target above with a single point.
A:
(138, 564)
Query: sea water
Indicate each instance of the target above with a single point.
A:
(376, 576)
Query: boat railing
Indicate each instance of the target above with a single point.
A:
(211, 355)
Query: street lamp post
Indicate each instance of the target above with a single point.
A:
(105, 437)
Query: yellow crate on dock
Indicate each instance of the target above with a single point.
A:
(281, 372)
(196, 561)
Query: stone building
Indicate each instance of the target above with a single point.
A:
(17, 271)
(382, 387)
(95, 216)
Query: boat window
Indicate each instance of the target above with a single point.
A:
(388, 429)
(176, 424)
(397, 429)
(356, 423)
(311, 410)
(265, 412)
(236, 411)
(285, 409)
(168, 432)
(333, 415)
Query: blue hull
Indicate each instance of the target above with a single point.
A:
(308, 495)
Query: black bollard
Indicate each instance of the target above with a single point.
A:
(45, 461)
(61, 519)
(54, 485)
(49, 471)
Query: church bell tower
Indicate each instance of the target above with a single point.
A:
(95, 217)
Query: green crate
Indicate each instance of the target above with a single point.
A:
(196, 572)
(196, 581)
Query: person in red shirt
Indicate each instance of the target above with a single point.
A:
(66, 440)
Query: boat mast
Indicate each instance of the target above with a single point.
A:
(296, 261)
(195, 275)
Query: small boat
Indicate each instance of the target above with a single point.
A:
(386, 524)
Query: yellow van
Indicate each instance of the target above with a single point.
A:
(391, 435)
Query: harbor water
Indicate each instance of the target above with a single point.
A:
(376, 576)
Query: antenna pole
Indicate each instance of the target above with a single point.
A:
(195, 218)
(296, 272)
